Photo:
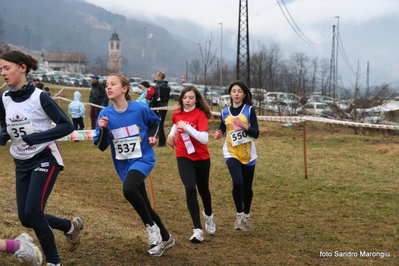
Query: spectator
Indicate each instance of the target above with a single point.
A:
(47, 90)
(77, 111)
(147, 93)
(35, 82)
(97, 95)
(161, 99)
(40, 85)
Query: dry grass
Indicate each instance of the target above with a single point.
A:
(348, 203)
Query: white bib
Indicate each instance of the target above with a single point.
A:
(17, 130)
(127, 148)
(239, 137)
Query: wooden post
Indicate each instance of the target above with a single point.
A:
(304, 150)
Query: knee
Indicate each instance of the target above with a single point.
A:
(129, 191)
(191, 192)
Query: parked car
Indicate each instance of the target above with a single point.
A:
(314, 108)
(135, 79)
(135, 87)
(64, 80)
(316, 98)
(47, 78)
(73, 82)
(175, 93)
(224, 100)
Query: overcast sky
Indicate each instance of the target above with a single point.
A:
(368, 28)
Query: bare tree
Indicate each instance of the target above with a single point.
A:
(195, 68)
(101, 63)
(207, 56)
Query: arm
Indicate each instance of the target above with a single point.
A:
(253, 130)
(56, 114)
(202, 137)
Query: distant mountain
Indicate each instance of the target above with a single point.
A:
(76, 26)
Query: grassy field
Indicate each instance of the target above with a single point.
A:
(345, 213)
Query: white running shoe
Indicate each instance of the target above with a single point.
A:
(198, 236)
(238, 225)
(246, 222)
(210, 225)
(28, 252)
(154, 235)
(158, 250)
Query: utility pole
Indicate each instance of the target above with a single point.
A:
(242, 65)
(336, 57)
(221, 54)
(332, 65)
(186, 79)
(368, 84)
(80, 69)
(145, 52)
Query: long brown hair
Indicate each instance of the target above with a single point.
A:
(125, 82)
(201, 102)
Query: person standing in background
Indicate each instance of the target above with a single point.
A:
(27, 115)
(240, 124)
(97, 95)
(190, 124)
(161, 99)
(77, 111)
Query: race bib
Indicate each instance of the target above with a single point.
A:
(128, 148)
(239, 137)
(17, 130)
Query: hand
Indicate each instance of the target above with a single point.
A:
(103, 122)
(217, 135)
(153, 141)
(181, 125)
(171, 141)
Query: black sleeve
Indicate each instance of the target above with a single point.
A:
(222, 126)
(102, 142)
(253, 130)
(153, 130)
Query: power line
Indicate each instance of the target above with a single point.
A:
(298, 31)
(342, 51)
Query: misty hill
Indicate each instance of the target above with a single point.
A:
(76, 26)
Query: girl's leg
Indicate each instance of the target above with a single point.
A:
(33, 191)
(248, 173)
(187, 172)
(202, 174)
(235, 170)
(136, 194)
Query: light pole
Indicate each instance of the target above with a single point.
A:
(221, 54)
(30, 38)
(80, 69)
(336, 57)
(186, 70)
(145, 55)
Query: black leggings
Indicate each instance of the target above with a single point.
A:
(242, 177)
(135, 193)
(195, 174)
(33, 187)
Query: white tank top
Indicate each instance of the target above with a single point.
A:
(27, 117)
